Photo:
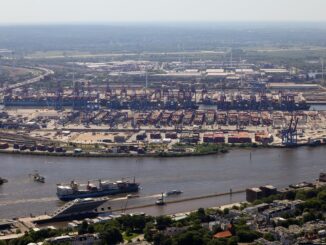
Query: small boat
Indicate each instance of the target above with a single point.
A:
(2, 181)
(160, 201)
(129, 196)
(37, 177)
(313, 143)
(172, 193)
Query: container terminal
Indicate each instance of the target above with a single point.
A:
(162, 99)
(171, 109)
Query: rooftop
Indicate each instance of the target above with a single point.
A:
(223, 234)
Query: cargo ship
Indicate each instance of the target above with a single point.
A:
(257, 102)
(67, 192)
(47, 101)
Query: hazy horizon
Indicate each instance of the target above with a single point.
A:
(159, 11)
(181, 24)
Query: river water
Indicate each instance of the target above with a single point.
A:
(318, 107)
(194, 176)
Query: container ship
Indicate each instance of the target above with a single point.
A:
(67, 192)
(260, 102)
(47, 101)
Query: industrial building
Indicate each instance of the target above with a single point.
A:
(256, 193)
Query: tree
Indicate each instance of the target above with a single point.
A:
(135, 223)
(42, 234)
(269, 237)
(83, 228)
(308, 217)
(202, 215)
(233, 241)
(190, 238)
(111, 236)
(289, 195)
(220, 241)
(322, 196)
(26, 239)
(162, 222)
(160, 239)
(247, 235)
(90, 229)
(300, 195)
(148, 235)
(311, 193)
(313, 204)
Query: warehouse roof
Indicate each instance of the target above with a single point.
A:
(275, 70)
(293, 85)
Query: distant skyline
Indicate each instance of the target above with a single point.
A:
(103, 11)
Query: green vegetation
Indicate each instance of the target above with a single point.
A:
(312, 208)
(210, 148)
(196, 234)
(129, 236)
(190, 229)
(37, 236)
(127, 227)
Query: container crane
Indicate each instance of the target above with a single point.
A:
(290, 135)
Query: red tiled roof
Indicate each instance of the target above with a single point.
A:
(223, 234)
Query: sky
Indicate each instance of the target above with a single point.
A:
(96, 11)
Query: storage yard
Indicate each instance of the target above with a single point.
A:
(182, 106)
(127, 131)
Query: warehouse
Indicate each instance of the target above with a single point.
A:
(241, 137)
(293, 86)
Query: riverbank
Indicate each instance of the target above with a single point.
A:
(112, 155)
(182, 200)
(200, 150)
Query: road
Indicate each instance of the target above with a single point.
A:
(46, 72)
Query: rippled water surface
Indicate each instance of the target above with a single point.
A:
(194, 176)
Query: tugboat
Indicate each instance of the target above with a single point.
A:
(160, 201)
(314, 142)
(2, 181)
(37, 177)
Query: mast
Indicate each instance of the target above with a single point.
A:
(322, 70)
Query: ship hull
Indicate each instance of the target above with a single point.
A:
(101, 193)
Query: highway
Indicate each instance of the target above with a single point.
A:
(46, 72)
